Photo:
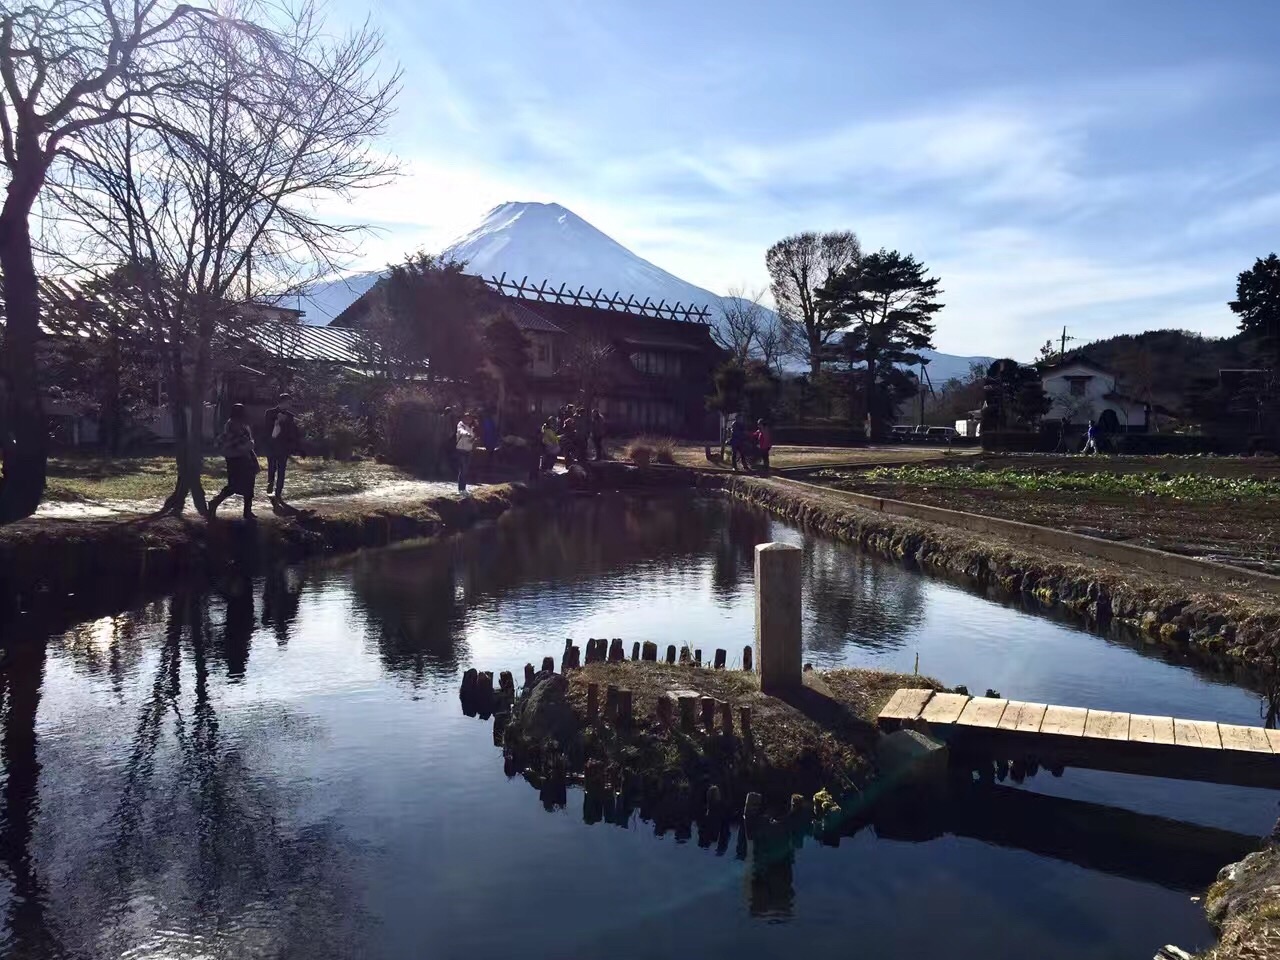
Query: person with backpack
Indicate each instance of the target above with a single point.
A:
(280, 438)
(236, 441)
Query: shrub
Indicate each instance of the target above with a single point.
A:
(656, 449)
(411, 428)
(338, 434)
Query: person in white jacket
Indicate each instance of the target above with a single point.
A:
(465, 443)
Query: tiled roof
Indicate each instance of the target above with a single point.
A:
(527, 319)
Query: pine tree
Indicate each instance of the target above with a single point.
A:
(888, 303)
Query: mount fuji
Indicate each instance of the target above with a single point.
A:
(545, 241)
(541, 241)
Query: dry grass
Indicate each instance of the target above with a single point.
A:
(83, 479)
(1248, 910)
(809, 742)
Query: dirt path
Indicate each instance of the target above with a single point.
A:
(391, 491)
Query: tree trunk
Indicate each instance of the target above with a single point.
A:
(176, 375)
(872, 400)
(23, 435)
(195, 435)
(815, 357)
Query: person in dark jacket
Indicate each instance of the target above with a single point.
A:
(236, 441)
(280, 440)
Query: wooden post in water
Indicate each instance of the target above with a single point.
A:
(697, 657)
(616, 653)
(611, 703)
(726, 718)
(635, 650)
(663, 710)
(721, 657)
(746, 659)
(708, 705)
(549, 664)
(507, 684)
(744, 721)
(469, 678)
(593, 702)
(671, 653)
(778, 616)
(649, 651)
(528, 674)
(686, 656)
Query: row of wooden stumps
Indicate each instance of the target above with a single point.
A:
(477, 685)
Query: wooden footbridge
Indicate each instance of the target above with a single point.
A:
(1097, 739)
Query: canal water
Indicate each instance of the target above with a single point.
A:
(278, 767)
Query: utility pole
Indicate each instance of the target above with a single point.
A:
(1062, 353)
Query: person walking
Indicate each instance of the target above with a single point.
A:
(764, 442)
(280, 438)
(236, 441)
(738, 442)
(598, 432)
(1091, 438)
(465, 444)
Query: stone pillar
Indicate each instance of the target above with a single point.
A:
(778, 616)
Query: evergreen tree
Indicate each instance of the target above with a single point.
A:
(888, 304)
(1257, 303)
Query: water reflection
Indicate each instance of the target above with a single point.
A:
(274, 766)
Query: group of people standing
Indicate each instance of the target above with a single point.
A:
(571, 432)
(281, 438)
(748, 446)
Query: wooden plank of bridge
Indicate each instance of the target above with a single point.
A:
(1250, 739)
(1196, 733)
(905, 705)
(982, 712)
(1144, 729)
(1023, 717)
(1273, 739)
(1064, 721)
(944, 707)
(1107, 725)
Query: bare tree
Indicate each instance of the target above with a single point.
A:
(226, 178)
(68, 67)
(799, 266)
(587, 364)
(741, 320)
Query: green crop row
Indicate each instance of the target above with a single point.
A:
(1186, 486)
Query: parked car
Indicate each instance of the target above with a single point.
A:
(942, 434)
(920, 434)
(902, 432)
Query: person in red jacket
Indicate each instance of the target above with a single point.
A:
(764, 442)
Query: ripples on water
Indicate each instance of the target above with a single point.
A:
(278, 766)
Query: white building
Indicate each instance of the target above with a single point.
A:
(1082, 391)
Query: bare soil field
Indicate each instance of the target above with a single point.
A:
(1225, 509)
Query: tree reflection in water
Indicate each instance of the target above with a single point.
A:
(539, 564)
(202, 852)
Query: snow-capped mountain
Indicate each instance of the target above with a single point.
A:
(541, 241)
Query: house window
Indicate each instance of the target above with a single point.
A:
(656, 364)
(542, 353)
(1077, 386)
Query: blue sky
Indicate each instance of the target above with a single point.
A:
(1108, 166)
